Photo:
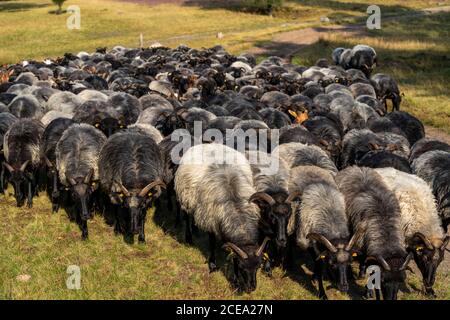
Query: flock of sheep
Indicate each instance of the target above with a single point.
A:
(354, 182)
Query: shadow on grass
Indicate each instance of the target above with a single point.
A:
(14, 6)
(55, 12)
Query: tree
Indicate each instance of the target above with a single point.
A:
(59, 3)
(268, 6)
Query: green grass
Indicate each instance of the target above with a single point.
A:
(29, 31)
(41, 244)
(416, 52)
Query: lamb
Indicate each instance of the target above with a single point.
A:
(420, 222)
(373, 208)
(21, 145)
(77, 153)
(131, 173)
(222, 178)
(319, 223)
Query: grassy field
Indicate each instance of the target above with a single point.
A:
(42, 245)
(28, 30)
(36, 243)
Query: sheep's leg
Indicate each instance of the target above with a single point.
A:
(30, 195)
(212, 253)
(396, 100)
(84, 229)
(141, 236)
(55, 194)
(2, 180)
(378, 294)
(318, 269)
(188, 229)
(178, 215)
(362, 269)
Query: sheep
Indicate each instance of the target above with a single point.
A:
(126, 105)
(21, 145)
(297, 133)
(320, 225)
(373, 103)
(275, 119)
(131, 173)
(270, 179)
(383, 159)
(298, 154)
(52, 133)
(420, 222)
(6, 121)
(328, 129)
(223, 123)
(222, 178)
(386, 88)
(99, 114)
(64, 101)
(147, 130)
(362, 89)
(374, 209)
(26, 106)
(425, 145)
(53, 115)
(154, 100)
(434, 168)
(77, 153)
(356, 143)
(410, 125)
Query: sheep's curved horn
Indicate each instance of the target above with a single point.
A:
(381, 261)
(8, 167)
(261, 248)
(358, 234)
(445, 243)
(72, 181)
(262, 196)
(320, 238)
(88, 177)
(425, 240)
(150, 186)
(48, 162)
(292, 196)
(408, 259)
(123, 189)
(236, 249)
(24, 166)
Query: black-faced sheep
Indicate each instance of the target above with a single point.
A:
(420, 222)
(373, 208)
(319, 223)
(77, 153)
(213, 185)
(21, 145)
(131, 173)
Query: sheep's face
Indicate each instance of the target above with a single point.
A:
(81, 190)
(339, 264)
(247, 269)
(109, 126)
(391, 282)
(275, 214)
(19, 180)
(428, 260)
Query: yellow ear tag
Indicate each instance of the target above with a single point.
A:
(97, 125)
(121, 195)
(121, 126)
(266, 257)
(354, 254)
(150, 194)
(67, 189)
(419, 249)
(93, 184)
(322, 257)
